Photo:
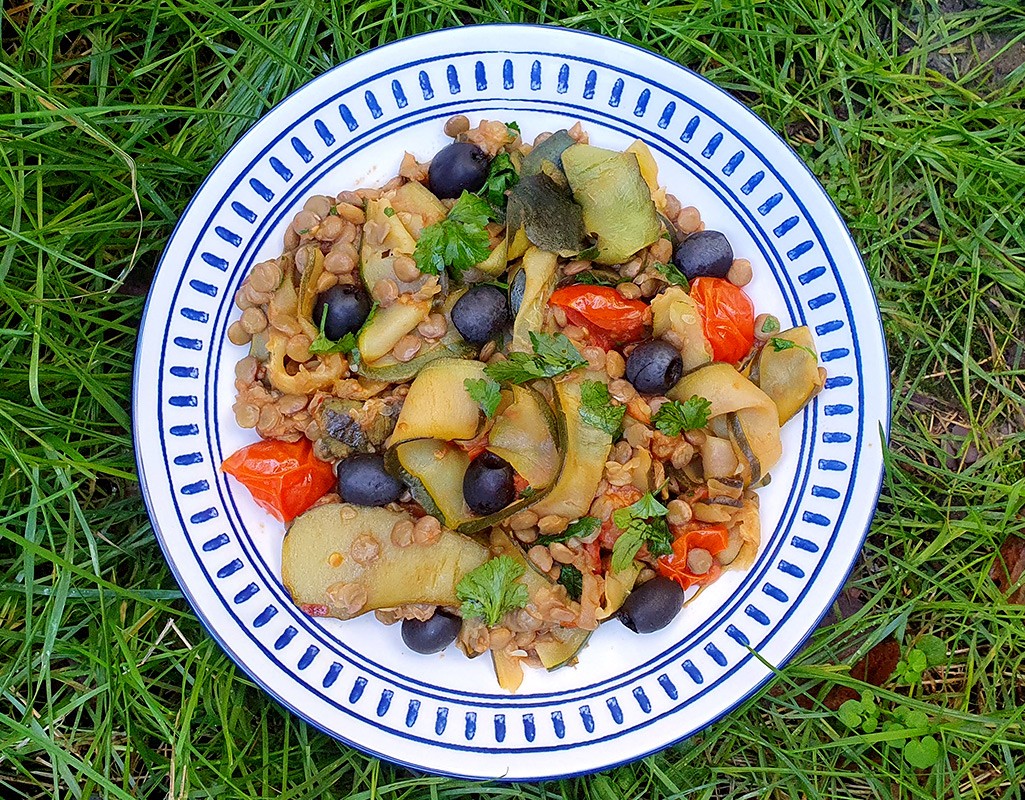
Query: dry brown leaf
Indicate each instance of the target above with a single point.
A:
(875, 668)
(1008, 568)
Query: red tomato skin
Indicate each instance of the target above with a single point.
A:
(284, 478)
(728, 316)
(708, 536)
(609, 317)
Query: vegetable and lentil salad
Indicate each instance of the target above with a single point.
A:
(515, 392)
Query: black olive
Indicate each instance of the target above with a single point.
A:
(363, 481)
(517, 286)
(652, 605)
(481, 313)
(705, 254)
(654, 367)
(488, 484)
(458, 167)
(347, 310)
(432, 635)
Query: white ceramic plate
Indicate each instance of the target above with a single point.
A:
(630, 695)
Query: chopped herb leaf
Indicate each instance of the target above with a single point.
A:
(642, 523)
(597, 410)
(389, 211)
(492, 589)
(672, 274)
(502, 176)
(457, 242)
(469, 210)
(486, 393)
(592, 278)
(770, 324)
(779, 344)
(573, 580)
(553, 355)
(528, 492)
(581, 529)
(674, 417)
(513, 126)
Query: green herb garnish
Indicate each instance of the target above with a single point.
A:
(671, 274)
(591, 278)
(644, 522)
(486, 393)
(502, 176)
(573, 580)
(596, 408)
(779, 344)
(490, 590)
(554, 354)
(580, 529)
(457, 242)
(674, 417)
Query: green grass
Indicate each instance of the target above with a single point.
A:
(111, 114)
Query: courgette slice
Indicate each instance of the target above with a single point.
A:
(325, 551)
(587, 450)
(674, 310)
(756, 415)
(438, 406)
(377, 338)
(538, 267)
(415, 198)
(451, 345)
(618, 586)
(377, 260)
(616, 201)
(525, 434)
(391, 370)
(789, 375)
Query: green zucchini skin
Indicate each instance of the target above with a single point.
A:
(398, 372)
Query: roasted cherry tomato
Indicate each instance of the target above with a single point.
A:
(707, 536)
(728, 316)
(285, 478)
(610, 318)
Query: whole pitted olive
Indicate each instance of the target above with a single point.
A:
(459, 166)
(432, 635)
(652, 605)
(363, 481)
(481, 313)
(347, 309)
(704, 254)
(488, 484)
(654, 367)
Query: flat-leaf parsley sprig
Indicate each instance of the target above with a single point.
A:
(458, 242)
(674, 417)
(492, 589)
(597, 410)
(484, 392)
(554, 354)
(642, 523)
